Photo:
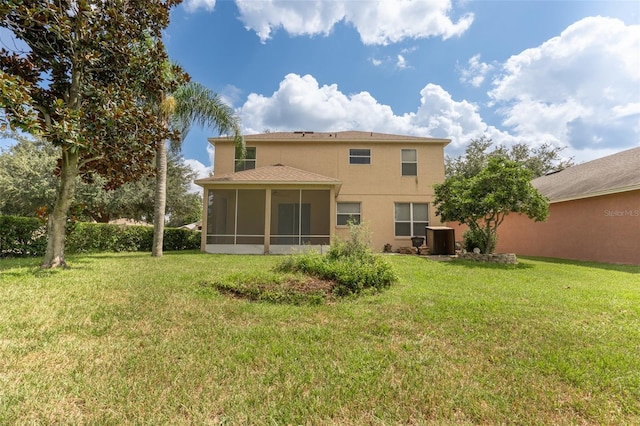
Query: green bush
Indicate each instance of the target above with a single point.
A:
(26, 236)
(22, 236)
(350, 264)
(97, 237)
(179, 239)
(477, 238)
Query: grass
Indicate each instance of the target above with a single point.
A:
(130, 339)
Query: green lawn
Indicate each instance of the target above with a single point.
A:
(129, 339)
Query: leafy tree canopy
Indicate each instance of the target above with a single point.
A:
(539, 161)
(82, 86)
(27, 183)
(482, 201)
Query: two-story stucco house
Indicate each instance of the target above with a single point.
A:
(298, 189)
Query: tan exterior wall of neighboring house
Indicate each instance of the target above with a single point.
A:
(376, 186)
(600, 229)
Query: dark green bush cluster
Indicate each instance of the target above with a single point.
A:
(25, 236)
(180, 239)
(98, 237)
(22, 236)
(350, 264)
(477, 238)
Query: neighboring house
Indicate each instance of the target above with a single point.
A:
(299, 189)
(594, 214)
(195, 226)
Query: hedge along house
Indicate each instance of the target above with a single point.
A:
(295, 190)
(594, 214)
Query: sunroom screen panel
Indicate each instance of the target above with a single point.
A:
(221, 216)
(250, 214)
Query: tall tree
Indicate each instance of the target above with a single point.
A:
(136, 200)
(191, 103)
(28, 183)
(484, 200)
(539, 160)
(80, 85)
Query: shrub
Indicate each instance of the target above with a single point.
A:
(97, 237)
(477, 238)
(22, 236)
(357, 246)
(179, 239)
(350, 264)
(26, 236)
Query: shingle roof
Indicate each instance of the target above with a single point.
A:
(615, 173)
(346, 136)
(271, 174)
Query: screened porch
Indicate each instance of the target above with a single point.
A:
(267, 220)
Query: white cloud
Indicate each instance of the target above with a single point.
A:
(230, 94)
(201, 171)
(580, 89)
(377, 22)
(193, 5)
(211, 150)
(300, 103)
(440, 115)
(476, 71)
(376, 62)
(402, 62)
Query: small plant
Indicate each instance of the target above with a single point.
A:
(357, 246)
(349, 263)
(476, 238)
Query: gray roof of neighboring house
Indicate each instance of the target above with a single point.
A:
(271, 174)
(346, 136)
(615, 173)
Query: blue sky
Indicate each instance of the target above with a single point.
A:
(562, 72)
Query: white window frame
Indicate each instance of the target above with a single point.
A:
(412, 222)
(348, 214)
(353, 156)
(403, 161)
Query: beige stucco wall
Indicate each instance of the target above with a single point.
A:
(600, 229)
(377, 186)
(331, 159)
(377, 211)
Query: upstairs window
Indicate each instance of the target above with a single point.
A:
(409, 162)
(411, 219)
(348, 212)
(359, 156)
(249, 161)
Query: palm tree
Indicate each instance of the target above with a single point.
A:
(191, 103)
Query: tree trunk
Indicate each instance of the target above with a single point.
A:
(160, 199)
(56, 227)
